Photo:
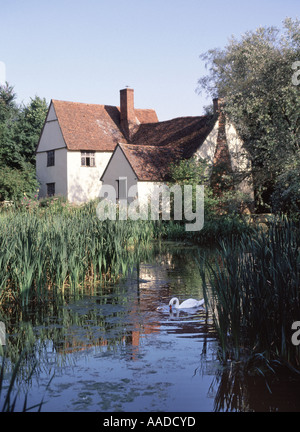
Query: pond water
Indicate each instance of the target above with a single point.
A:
(120, 349)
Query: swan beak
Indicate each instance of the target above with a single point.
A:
(170, 308)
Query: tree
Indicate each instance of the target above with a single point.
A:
(286, 195)
(29, 126)
(8, 106)
(9, 112)
(226, 200)
(20, 128)
(17, 183)
(254, 75)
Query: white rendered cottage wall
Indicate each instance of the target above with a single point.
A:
(239, 157)
(240, 160)
(52, 139)
(208, 148)
(84, 182)
(118, 168)
(145, 191)
(53, 174)
(78, 184)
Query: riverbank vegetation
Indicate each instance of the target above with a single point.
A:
(58, 248)
(253, 289)
(51, 247)
(255, 278)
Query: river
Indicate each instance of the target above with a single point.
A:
(119, 348)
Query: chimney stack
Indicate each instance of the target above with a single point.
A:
(128, 118)
(218, 105)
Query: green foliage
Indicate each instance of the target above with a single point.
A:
(30, 122)
(255, 296)
(222, 214)
(190, 172)
(46, 251)
(20, 127)
(286, 195)
(254, 75)
(8, 107)
(195, 172)
(16, 183)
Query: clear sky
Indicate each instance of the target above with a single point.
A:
(87, 50)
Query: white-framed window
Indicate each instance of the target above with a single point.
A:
(121, 187)
(88, 159)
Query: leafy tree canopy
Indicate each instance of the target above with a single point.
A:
(20, 127)
(255, 76)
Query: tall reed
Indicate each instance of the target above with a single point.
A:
(46, 252)
(253, 289)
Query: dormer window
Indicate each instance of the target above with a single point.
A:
(88, 159)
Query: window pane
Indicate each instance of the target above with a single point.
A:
(50, 189)
(88, 159)
(50, 158)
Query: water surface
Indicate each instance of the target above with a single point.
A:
(120, 349)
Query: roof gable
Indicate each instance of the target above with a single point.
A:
(150, 163)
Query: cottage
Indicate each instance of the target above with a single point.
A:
(77, 141)
(145, 161)
(83, 146)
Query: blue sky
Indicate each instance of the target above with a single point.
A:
(87, 50)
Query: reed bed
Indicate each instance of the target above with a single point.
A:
(253, 289)
(46, 253)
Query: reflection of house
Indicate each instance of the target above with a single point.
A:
(81, 144)
(146, 302)
(144, 314)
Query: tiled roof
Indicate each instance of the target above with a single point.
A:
(151, 149)
(178, 130)
(156, 145)
(150, 163)
(94, 127)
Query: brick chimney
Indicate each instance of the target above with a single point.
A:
(128, 118)
(218, 105)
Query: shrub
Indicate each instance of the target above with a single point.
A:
(15, 182)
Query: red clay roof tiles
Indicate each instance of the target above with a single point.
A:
(153, 146)
(93, 127)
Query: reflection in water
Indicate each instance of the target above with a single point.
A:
(236, 390)
(121, 348)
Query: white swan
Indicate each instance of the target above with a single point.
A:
(186, 304)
